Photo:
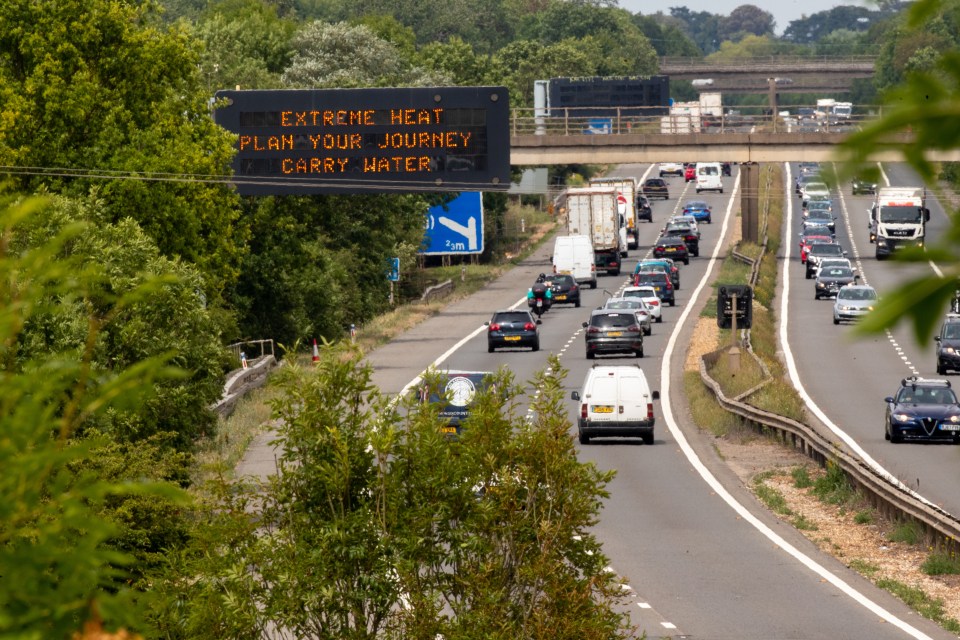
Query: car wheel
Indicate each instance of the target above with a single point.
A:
(584, 439)
(577, 303)
(808, 274)
(648, 331)
(593, 284)
(673, 302)
(941, 370)
(535, 346)
(698, 190)
(648, 438)
(816, 296)
(590, 355)
(896, 439)
(638, 353)
(659, 318)
(886, 433)
(836, 320)
(490, 348)
(686, 261)
(721, 190)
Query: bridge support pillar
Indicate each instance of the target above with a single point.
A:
(750, 201)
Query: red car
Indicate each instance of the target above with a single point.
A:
(807, 241)
(690, 173)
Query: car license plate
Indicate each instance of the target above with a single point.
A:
(614, 334)
(539, 303)
(561, 297)
(449, 429)
(950, 427)
(670, 249)
(511, 338)
(601, 409)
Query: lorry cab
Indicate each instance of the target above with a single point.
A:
(898, 218)
(709, 177)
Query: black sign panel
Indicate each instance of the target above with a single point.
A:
(365, 140)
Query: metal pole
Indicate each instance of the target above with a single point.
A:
(733, 353)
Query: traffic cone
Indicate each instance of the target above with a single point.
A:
(316, 352)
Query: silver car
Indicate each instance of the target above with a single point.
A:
(650, 298)
(640, 310)
(854, 301)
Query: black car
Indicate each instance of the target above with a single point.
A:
(513, 328)
(948, 345)
(821, 217)
(830, 280)
(660, 282)
(672, 247)
(923, 409)
(667, 265)
(687, 234)
(565, 289)
(822, 250)
(655, 188)
(644, 210)
(725, 168)
(613, 331)
(861, 185)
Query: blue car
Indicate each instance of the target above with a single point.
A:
(700, 210)
(923, 409)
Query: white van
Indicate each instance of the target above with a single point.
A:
(709, 177)
(615, 401)
(574, 255)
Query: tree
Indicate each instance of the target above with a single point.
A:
(702, 27)
(518, 64)
(927, 106)
(97, 90)
(456, 59)
(378, 526)
(54, 532)
(667, 38)
(747, 19)
(813, 28)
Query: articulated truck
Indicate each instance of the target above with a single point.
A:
(898, 218)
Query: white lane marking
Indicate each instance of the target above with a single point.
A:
(850, 442)
(644, 605)
(668, 625)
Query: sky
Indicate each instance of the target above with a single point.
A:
(784, 11)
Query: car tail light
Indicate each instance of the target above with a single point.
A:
(593, 268)
(494, 327)
(654, 302)
(583, 411)
(650, 411)
(633, 327)
(593, 330)
(691, 237)
(529, 326)
(574, 288)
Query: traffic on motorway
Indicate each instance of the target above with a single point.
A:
(667, 526)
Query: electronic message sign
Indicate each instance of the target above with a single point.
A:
(368, 140)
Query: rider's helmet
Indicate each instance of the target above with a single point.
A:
(542, 277)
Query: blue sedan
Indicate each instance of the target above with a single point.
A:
(700, 210)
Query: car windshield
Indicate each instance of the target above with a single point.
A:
(818, 205)
(951, 331)
(827, 250)
(837, 272)
(856, 293)
(927, 395)
(624, 303)
(696, 204)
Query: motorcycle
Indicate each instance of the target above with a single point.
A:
(539, 303)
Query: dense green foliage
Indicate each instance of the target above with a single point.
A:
(377, 526)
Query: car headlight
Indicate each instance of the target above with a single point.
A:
(844, 307)
(949, 350)
(901, 417)
(954, 419)
(821, 285)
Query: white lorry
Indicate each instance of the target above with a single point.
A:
(626, 205)
(592, 211)
(898, 219)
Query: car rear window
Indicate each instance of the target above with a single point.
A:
(652, 278)
(505, 318)
(613, 320)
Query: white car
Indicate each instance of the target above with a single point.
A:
(833, 262)
(671, 169)
(814, 190)
(649, 297)
(640, 310)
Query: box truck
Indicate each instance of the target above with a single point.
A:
(592, 211)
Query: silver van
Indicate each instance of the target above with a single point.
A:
(615, 401)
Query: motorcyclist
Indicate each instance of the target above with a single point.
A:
(540, 290)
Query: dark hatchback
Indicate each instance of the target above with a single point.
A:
(687, 234)
(672, 247)
(613, 331)
(565, 289)
(821, 218)
(656, 188)
(831, 279)
(667, 265)
(660, 282)
(948, 345)
(513, 328)
(923, 409)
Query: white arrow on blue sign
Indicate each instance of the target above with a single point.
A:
(455, 227)
(393, 269)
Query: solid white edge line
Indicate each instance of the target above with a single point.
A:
(795, 380)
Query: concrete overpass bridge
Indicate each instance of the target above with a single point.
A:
(540, 141)
(806, 74)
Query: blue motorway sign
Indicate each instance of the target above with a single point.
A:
(455, 227)
(393, 269)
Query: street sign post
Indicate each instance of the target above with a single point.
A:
(456, 227)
